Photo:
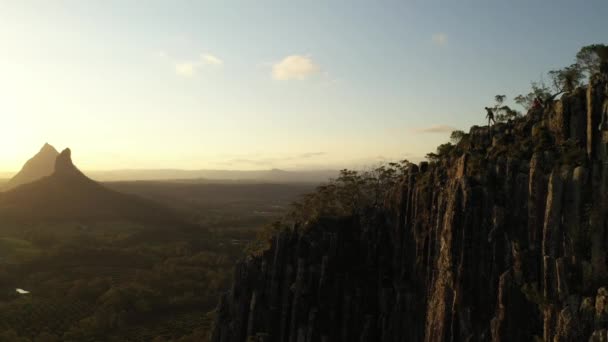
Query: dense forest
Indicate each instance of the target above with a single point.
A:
(129, 281)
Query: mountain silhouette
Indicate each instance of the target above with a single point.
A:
(67, 194)
(39, 166)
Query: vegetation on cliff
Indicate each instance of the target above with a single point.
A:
(500, 236)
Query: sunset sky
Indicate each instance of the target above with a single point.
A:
(268, 84)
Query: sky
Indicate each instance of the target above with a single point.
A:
(315, 84)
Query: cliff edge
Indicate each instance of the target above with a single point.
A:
(502, 238)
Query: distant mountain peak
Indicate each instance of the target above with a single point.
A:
(39, 166)
(68, 194)
(64, 167)
(48, 148)
(64, 163)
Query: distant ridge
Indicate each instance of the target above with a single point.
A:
(40, 165)
(67, 194)
(268, 176)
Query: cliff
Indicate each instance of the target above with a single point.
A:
(502, 239)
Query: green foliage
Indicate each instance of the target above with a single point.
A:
(503, 112)
(500, 99)
(590, 60)
(538, 90)
(566, 79)
(593, 59)
(263, 238)
(432, 157)
(351, 192)
(444, 150)
(119, 286)
(456, 136)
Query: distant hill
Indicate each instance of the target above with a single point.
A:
(268, 176)
(67, 194)
(39, 166)
(43, 164)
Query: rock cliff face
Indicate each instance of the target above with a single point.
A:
(505, 240)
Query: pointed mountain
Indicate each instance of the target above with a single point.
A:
(39, 166)
(67, 195)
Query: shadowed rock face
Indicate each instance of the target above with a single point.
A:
(503, 240)
(64, 165)
(39, 166)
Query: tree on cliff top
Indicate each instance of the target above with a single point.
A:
(566, 79)
(456, 136)
(351, 192)
(503, 112)
(590, 60)
(593, 59)
(539, 90)
(563, 81)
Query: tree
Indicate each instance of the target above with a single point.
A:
(566, 79)
(500, 99)
(503, 112)
(593, 59)
(432, 157)
(539, 89)
(456, 136)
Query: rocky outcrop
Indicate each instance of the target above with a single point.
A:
(39, 166)
(69, 195)
(503, 241)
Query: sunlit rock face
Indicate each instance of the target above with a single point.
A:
(503, 240)
(39, 166)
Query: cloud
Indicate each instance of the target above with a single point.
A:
(209, 59)
(190, 68)
(435, 129)
(187, 69)
(440, 39)
(311, 155)
(294, 67)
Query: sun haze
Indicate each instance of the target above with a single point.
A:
(259, 85)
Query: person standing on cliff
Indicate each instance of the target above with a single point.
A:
(490, 116)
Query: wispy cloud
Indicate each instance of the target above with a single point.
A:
(435, 129)
(294, 67)
(190, 68)
(312, 154)
(209, 59)
(439, 39)
(186, 69)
